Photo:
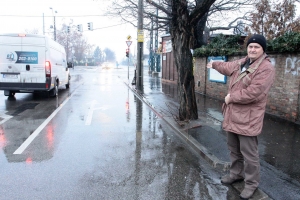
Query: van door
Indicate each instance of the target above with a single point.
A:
(33, 53)
(9, 69)
(24, 59)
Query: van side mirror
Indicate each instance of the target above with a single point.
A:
(70, 65)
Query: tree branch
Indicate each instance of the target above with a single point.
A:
(163, 9)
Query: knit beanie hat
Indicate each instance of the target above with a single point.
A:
(260, 39)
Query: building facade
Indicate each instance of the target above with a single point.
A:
(283, 98)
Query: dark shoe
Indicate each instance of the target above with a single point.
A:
(247, 193)
(228, 180)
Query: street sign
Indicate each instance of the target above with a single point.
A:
(140, 36)
(128, 37)
(128, 43)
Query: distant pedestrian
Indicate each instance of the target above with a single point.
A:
(250, 81)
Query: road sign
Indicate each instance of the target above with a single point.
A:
(128, 43)
(128, 37)
(140, 36)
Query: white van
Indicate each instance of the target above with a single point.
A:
(32, 63)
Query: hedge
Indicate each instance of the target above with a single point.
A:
(228, 45)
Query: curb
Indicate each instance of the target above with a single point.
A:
(200, 149)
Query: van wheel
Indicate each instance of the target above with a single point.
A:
(11, 94)
(54, 91)
(68, 85)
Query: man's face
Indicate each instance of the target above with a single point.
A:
(254, 51)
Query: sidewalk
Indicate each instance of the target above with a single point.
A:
(279, 143)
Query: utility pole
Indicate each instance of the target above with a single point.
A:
(43, 24)
(54, 24)
(54, 29)
(157, 55)
(140, 36)
(151, 59)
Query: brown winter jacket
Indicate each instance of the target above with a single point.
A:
(248, 96)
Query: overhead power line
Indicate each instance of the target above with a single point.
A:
(109, 26)
(52, 16)
(106, 27)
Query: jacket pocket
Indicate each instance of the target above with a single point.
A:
(240, 114)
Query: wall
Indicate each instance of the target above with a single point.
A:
(168, 72)
(284, 96)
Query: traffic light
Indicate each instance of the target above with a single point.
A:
(127, 53)
(79, 28)
(68, 29)
(90, 26)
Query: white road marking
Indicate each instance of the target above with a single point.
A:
(5, 117)
(90, 114)
(89, 117)
(27, 142)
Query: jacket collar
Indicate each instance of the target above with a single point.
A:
(256, 63)
(263, 56)
(252, 67)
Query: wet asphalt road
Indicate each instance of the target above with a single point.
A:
(97, 141)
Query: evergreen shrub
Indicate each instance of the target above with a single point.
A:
(228, 45)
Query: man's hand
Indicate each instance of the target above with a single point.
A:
(227, 99)
(209, 65)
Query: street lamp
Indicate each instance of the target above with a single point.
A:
(54, 26)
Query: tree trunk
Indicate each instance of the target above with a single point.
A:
(201, 33)
(182, 35)
(186, 85)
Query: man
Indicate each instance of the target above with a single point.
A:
(250, 81)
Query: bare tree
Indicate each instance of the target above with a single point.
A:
(110, 55)
(98, 55)
(273, 18)
(186, 21)
(73, 42)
